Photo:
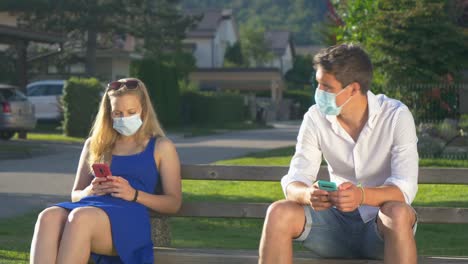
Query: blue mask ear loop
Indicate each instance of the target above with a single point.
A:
(341, 106)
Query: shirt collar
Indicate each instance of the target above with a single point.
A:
(374, 108)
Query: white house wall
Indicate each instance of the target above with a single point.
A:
(8, 19)
(202, 52)
(287, 60)
(225, 36)
(120, 68)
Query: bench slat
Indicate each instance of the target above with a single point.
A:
(229, 256)
(274, 173)
(258, 210)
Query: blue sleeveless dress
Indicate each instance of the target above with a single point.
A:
(130, 224)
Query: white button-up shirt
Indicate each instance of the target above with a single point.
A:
(384, 154)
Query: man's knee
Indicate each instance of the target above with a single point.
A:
(286, 215)
(52, 216)
(396, 217)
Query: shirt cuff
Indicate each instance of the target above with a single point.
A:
(409, 190)
(286, 180)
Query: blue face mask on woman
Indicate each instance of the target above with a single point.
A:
(326, 102)
(127, 126)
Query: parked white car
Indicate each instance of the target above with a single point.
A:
(45, 95)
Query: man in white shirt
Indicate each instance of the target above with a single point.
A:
(369, 143)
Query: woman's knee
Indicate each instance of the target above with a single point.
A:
(396, 216)
(52, 216)
(82, 216)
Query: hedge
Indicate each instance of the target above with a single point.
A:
(80, 101)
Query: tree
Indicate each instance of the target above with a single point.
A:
(255, 49)
(302, 74)
(409, 40)
(417, 49)
(158, 22)
(233, 55)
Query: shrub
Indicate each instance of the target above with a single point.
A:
(209, 108)
(80, 101)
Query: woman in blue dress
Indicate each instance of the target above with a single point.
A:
(108, 217)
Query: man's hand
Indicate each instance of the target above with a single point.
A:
(347, 198)
(319, 199)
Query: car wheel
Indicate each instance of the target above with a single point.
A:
(6, 135)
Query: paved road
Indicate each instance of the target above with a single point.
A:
(28, 184)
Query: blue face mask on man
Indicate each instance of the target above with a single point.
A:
(326, 102)
(127, 126)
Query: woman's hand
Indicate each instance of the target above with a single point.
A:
(119, 187)
(96, 187)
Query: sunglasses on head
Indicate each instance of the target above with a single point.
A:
(130, 84)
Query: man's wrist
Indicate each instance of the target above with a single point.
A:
(363, 195)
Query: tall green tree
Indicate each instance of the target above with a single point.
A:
(233, 56)
(255, 48)
(158, 22)
(302, 75)
(409, 40)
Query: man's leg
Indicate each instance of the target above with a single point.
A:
(395, 223)
(284, 221)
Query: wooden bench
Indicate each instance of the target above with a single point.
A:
(258, 210)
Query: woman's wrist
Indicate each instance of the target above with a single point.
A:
(135, 196)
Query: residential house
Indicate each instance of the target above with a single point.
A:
(18, 40)
(213, 34)
(282, 47)
(113, 55)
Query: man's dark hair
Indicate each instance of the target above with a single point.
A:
(348, 63)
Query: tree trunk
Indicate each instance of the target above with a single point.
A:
(22, 70)
(91, 46)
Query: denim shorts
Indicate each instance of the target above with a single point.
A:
(335, 234)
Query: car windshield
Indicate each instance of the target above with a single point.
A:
(45, 90)
(11, 95)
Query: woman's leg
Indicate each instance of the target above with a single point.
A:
(87, 229)
(47, 235)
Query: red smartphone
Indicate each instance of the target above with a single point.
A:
(101, 170)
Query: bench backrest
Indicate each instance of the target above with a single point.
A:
(272, 173)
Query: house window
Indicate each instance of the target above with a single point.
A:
(77, 68)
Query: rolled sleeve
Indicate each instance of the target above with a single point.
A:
(405, 159)
(307, 157)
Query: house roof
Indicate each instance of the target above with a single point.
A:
(305, 50)
(210, 20)
(279, 41)
(9, 34)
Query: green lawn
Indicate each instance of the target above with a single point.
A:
(52, 137)
(15, 238)
(440, 239)
(206, 130)
(12, 149)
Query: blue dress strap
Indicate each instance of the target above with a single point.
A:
(151, 144)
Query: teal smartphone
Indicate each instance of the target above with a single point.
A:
(327, 186)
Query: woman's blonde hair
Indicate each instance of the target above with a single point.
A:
(103, 136)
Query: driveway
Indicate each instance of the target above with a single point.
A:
(32, 184)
